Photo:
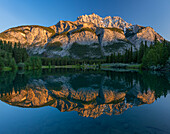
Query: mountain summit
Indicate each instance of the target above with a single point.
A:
(104, 22)
(90, 36)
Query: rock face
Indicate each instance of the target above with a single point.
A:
(92, 35)
(28, 35)
(138, 34)
(104, 22)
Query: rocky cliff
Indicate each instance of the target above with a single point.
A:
(89, 36)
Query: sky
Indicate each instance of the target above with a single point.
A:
(154, 13)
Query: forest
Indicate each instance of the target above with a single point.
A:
(15, 56)
(157, 55)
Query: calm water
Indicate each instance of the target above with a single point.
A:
(73, 101)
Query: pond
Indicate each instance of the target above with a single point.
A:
(61, 101)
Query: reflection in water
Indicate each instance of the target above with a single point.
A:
(90, 93)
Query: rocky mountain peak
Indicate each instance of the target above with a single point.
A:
(108, 21)
(90, 36)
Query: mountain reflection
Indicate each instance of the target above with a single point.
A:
(90, 93)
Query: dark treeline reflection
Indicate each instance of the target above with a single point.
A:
(76, 79)
(154, 81)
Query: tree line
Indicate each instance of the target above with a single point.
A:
(155, 54)
(12, 81)
(11, 54)
(69, 61)
(14, 55)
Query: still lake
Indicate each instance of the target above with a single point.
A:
(71, 101)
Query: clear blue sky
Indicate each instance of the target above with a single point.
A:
(154, 13)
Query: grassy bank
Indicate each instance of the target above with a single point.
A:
(121, 65)
(7, 69)
(86, 66)
(66, 66)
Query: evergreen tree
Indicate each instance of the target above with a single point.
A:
(49, 64)
(107, 59)
(158, 55)
(13, 64)
(135, 57)
(28, 64)
(118, 58)
(2, 65)
(131, 54)
(111, 58)
(114, 57)
(125, 57)
(155, 40)
(151, 45)
(164, 42)
(141, 52)
(1, 43)
(146, 46)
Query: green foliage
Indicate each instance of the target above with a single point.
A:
(36, 62)
(64, 33)
(50, 62)
(1, 64)
(54, 46)
(83, 51)
(12, 55)
(84, 29)
(21, 66)
(60, 34)
(116, 30)
(114, 46)
(155, 55)
(141, 52)
(70, 22)
(158, 55)
(13, 64)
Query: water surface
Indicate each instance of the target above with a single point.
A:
(75, 101)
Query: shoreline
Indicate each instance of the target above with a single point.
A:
(105, 66)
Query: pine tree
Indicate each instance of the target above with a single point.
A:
(28, 64)
(114, 58)
(158, 55)
(13, 64)
(125, 57)
(151, 45)
(146, 46)
(2, 65)
(49, 64)
(118, 57)
(1, 43)
(155, 40)
(111, 58)
(107, 59)
(164, 42)
(135, 57)
(131, 55)
(141, 52)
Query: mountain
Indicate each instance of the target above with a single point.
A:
(89, 36)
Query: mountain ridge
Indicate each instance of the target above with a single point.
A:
(109, 34)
